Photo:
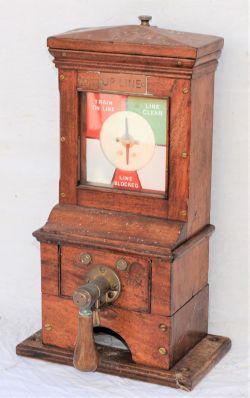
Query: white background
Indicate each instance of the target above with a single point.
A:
(29, 184)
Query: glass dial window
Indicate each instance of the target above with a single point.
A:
(125, 142)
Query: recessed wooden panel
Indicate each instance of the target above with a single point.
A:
(135, 281)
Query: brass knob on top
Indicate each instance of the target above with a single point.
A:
(145, 19)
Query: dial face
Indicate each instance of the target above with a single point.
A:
(127, 140)
(124, 142)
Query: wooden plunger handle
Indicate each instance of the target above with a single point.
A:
(101, 280)
(85, 354)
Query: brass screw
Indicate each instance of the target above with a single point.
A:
(62, 77)
(179, 63)
(184, 155)
(63, 194)
(48, 327)
(63, 139)
(185, 90)
(121, 264)
(85, 258)
(183, 212)
(163, 327)
(162, 351)
(64, 54)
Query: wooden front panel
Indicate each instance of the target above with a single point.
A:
(145, 200)
(135, 281)
(189, 157)
(128, 202)
(179, 123)
(140, 331)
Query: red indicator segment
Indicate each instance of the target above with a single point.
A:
(98, 108)
(128, 180)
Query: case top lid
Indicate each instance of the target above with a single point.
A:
(137, 39)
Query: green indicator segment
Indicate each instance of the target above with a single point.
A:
(154, 111)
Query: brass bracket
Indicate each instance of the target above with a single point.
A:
(103, 287)
(113, 281)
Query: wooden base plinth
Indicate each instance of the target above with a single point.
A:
(184, 375)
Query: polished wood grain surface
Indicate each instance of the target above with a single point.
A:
(112, 229)
(85, 353)
(50, 278)
(200, 153)
(144, 333)
(69, 120)
(162, 310)
(142, 40)
(135, 280)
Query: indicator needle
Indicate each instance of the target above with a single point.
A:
(127, 140)
(126, 129)
(127, 153)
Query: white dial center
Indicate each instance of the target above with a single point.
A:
(127, 140)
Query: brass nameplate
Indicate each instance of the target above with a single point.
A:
(112, 82)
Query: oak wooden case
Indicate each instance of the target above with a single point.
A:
(162, 311)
